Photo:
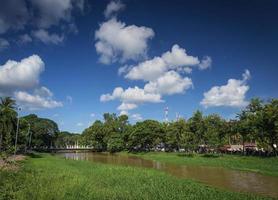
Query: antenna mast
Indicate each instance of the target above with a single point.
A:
(166, 110)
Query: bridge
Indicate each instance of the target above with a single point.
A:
(67, 148)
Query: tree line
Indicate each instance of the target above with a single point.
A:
(257, 122)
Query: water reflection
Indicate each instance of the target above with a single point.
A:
(239, 181)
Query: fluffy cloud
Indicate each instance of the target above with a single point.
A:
(52, 12)
(118, 42)
(25, 38)
(176, 59)
(40, 99)
(43, 14)
(205, 63)
(4, 44)
(47, 38)
(127, 106)
(170, 83)
(113, 8)
(131, 95)
(13, 15)
(148, 70)
(136, 117)
(232, 94)
(20, 75)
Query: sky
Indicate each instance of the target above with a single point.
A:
(73, 60)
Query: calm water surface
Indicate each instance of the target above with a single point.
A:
(239, 181)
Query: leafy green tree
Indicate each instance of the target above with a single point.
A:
(146, 135)
(266, 122)
(176, 135)
(8, 120)
(215, 131)
(43, 130)
(64, 139)
(197, 127)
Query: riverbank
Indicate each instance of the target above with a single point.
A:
(266, 166)
(43, 176)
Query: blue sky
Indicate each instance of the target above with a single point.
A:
(66, 62)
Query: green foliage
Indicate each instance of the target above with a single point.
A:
(43, 131)
(258, 122)
(8, 118)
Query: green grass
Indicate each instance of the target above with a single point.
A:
(50, 177)
(266, 166)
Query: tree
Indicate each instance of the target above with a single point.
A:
(215, 131)
(197, 127)
(176, 134)
(146, 135)
(266, 122)
(43, 130)
(8, 117)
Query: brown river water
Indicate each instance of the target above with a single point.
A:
(234, 180)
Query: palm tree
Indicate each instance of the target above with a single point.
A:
(7, 122)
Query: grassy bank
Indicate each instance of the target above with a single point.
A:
(49, 177)
(267, 166)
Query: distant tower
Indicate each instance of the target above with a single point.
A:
(177, 116)
(166, 110)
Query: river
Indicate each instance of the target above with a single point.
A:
(234, 180)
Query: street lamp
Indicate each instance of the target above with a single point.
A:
(17, 128)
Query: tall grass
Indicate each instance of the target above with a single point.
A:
(50, 178)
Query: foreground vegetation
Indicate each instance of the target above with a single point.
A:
(48, 177)
(266, 166)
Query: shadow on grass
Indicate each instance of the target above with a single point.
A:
(211, 155)
(34, 155)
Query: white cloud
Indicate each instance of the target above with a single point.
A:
(176, 59)
(47, 38)
(148, 70)
(25, 38)
(118, 42)
(130, 98)
(43, 92)
(13, 15)
(52, 12)
(136, 117)
(92, 114)
(127, 106)
(132, 95)
(20, 75)
(232, 94)
(205, 63)
(40, 99)
(113, 8)
(169, 83)
(124, 112)
(4, 44)
(17, 16)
